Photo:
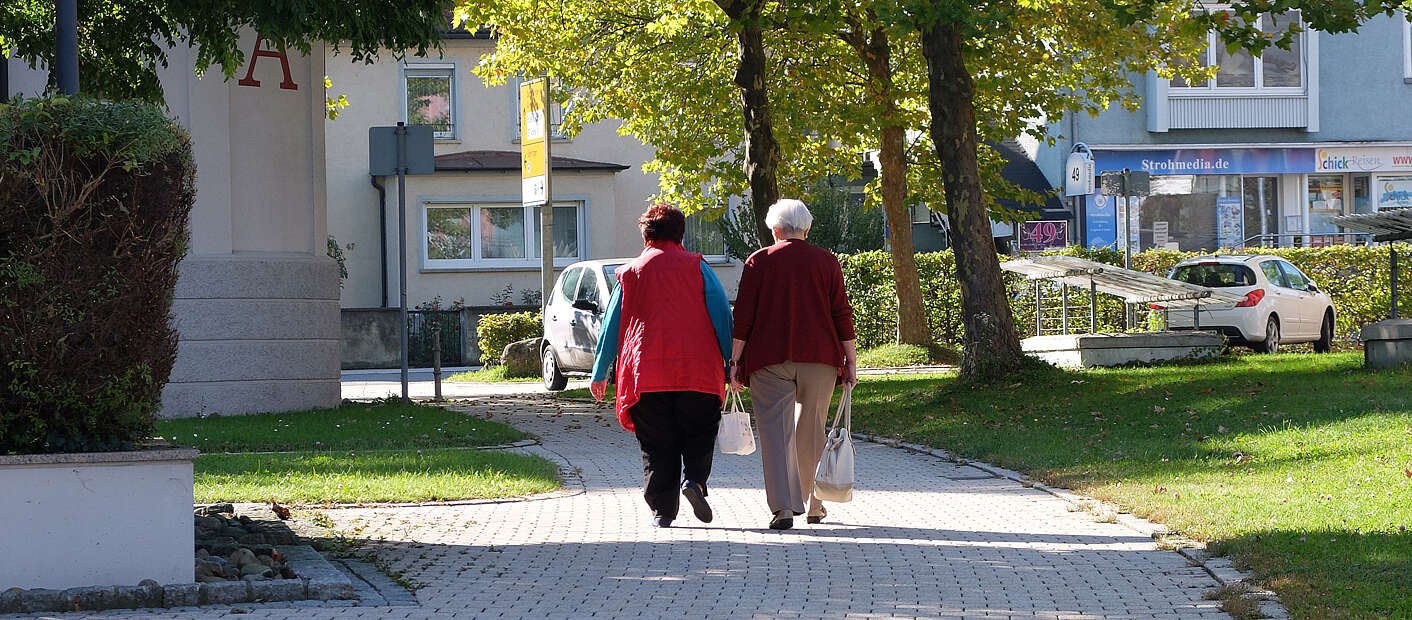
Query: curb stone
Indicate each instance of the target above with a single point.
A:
(1220, 569)
(319, 581)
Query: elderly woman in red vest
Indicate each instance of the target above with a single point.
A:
(668, 327)
(793, 343)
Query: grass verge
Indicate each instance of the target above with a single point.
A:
(492, 374)
(1299, 464)
(393, 476)
(382, 425)
(892, 355)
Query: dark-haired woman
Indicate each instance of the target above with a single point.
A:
(668, 327)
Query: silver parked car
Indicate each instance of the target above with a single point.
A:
(573, 318)
(1281, 306)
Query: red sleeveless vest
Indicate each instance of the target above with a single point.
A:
(665, 339)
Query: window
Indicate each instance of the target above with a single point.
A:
(1273, 274)
(568, 284)
(1296, 279)
(1276, 69)
(1215, 275)
(704, 237)
(1406, 46)
(1325, 192)
(588, 288)
(429, 97)
(490, 235)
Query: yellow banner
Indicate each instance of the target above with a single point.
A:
(532, 159)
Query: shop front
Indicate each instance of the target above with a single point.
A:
(1203, 199)
(1211, 198)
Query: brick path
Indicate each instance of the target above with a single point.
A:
(921, 538)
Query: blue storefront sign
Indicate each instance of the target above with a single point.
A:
(1101, 221)
(1208, 161)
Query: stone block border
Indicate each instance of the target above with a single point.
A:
(318, 581)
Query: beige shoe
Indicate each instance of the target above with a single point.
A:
(818, 518)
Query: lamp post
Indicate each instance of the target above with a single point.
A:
(66, 46)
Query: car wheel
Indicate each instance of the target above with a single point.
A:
(1272, 337)
(1325, 343)
(554, 379)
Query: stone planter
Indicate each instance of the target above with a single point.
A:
(105, 518)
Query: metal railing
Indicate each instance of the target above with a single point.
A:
(1307, 240)
(428, 328)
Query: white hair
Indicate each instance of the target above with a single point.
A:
(789, 215)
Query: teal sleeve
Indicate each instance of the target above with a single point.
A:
(607, 351)
(719, 308)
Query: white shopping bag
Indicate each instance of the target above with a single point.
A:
(734, 436)
(833, 480)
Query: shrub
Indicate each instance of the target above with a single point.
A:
(1356, 278)
(495, 331)
(94, 199)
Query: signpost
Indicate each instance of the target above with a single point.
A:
(535, 173)
(1127, 184)
(401, 150)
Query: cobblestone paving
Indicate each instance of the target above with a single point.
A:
(921, 538)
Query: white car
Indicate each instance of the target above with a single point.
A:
(573, 317)
(1281, 306)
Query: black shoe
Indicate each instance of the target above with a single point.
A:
(694, 495)
(783, 520)
(661, 522)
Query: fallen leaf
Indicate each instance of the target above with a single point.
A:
(280, 511)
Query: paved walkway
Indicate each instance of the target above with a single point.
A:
(922, 538)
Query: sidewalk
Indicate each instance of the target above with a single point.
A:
(922, 538)
(363, 384)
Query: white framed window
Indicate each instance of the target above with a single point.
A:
(429, 97)
(556, 114)
(1275, 72)
(705, 238)
(1406, 47)
(487, 235)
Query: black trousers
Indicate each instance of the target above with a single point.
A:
(677, 432)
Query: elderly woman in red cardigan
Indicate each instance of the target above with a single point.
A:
(668, 327)
(793, 342)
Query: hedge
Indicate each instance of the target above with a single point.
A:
(495, 331)
(94, 200)
(1357, 278)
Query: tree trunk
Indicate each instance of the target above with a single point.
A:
(991, 346)
(762, 152)
(876, 53)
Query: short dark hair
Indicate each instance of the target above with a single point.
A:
(663, 222)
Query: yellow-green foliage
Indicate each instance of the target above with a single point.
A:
(1357, 278)
(494, 331)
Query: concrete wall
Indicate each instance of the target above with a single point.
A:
(486, 118)
(112, 518)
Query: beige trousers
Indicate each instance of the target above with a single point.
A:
(791, 404)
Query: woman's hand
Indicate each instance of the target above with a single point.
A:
(598, 389)
(850, 372)
(736, 384)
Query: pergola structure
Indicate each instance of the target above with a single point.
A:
(1385, 226)
(1135, 287)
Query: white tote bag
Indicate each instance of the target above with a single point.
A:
(734, 436)
(833, 481)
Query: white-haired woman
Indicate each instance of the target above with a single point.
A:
(793, 342)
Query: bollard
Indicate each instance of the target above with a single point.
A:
(436, 354)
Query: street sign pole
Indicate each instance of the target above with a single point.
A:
(535, 174)
(402, 250)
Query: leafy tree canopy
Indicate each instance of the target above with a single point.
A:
(122, 43)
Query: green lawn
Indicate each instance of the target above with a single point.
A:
(378, 452)
(383, 425)
(493, 374)
(390, 476)
(1300, 465)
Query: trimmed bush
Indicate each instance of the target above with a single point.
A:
(495, 331)
(94, 199)
(1356, 278)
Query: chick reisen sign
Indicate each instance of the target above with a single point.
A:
(534, 142)
(1364, 159)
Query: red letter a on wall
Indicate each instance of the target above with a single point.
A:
(249, 79)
